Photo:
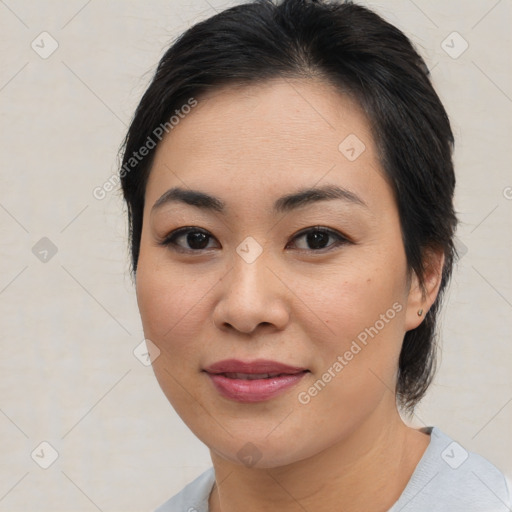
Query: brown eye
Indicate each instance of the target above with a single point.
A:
(317, 238)
(191, 239)
(195, 239)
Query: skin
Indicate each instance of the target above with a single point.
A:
(348, 448)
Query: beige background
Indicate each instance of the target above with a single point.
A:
(68, 375)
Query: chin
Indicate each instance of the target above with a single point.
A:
(260, 454)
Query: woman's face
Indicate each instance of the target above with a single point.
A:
(258, 279)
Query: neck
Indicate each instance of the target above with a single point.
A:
(367, 470)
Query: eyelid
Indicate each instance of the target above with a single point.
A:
(341, 239)
(167, 240)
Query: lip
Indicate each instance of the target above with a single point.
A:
(249, 389)
(251, 367)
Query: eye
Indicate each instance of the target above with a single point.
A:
(318, 236)
(196, 238)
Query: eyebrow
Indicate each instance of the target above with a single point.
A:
(284, 204)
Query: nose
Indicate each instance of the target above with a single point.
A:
(252, 296)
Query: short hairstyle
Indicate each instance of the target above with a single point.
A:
(357, 51)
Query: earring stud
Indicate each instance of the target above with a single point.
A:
(420, 312)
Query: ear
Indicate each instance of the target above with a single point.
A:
(420, 298)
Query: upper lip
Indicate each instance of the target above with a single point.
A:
(258, 366)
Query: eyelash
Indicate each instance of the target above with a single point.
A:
(170, 240)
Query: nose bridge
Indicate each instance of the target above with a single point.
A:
(250, 263)
(251, 295)
(249, 250)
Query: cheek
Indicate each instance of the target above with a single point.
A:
(172, 308)
(173, 317)
(364, 312)
(356, 299)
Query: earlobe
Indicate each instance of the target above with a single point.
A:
(421, 297)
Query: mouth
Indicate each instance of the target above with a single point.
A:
(253, 376)
(264, 367)
(253, 381)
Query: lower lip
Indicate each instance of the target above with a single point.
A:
(257, 390)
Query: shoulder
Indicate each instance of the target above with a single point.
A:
(193, 497)
(451, 478)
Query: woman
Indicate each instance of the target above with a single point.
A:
(289, 182)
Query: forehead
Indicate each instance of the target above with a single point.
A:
(278, 134)
(283, 113)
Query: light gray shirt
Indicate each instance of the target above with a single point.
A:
(447, 478)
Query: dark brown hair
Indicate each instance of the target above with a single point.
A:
(360, 53)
